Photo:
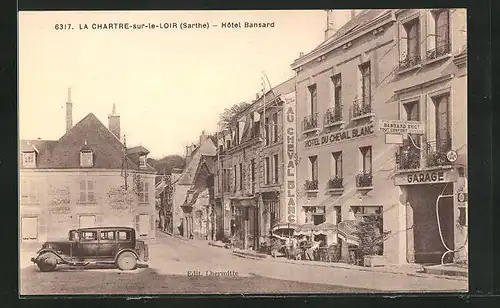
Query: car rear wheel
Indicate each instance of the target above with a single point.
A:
(126, 261)
(47, 262)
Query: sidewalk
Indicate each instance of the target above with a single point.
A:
(409, 269)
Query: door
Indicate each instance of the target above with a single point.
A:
(86, 221)
(143, 224)
(29, 228)
(88, 245)
(107, 244)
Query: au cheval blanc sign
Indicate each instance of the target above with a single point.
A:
(290, 150)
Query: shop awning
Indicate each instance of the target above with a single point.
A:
(346, 232)
(324, 228)
(284, 226)
(305, 229)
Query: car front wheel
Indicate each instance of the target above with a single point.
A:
(47, 262)
(126, 261)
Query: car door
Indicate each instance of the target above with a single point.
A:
(88, 244)
(107, 244)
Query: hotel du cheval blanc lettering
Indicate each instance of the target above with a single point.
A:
(343, 135)
(290, 152)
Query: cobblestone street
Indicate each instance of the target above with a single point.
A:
(174, 261)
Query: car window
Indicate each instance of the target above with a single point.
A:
(89, 235)
(107, 235)
(124, 235)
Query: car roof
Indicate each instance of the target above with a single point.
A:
(106, 228)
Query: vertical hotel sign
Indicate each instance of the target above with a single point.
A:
(289, 151)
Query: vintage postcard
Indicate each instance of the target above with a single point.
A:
(263, 152)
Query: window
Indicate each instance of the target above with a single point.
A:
(338, 214)
(107, 235)
(413, 114)
(439, 34)
(228, 144)
(237, 134)
(314, 99)
(443, 121)
(276, 168)
(267, 171)
(124, 235)
(315, 215)
(337, 91)
(86, 159)
(235, 178)
(241, 176)
(337, 164)
(410, 44)
(142, 161)
(87, 191)
(274, 210)
(365, 72)
(144, 192)
(29, 159)
(366, 159)
(267, 130)
(29, 191)
(275, 127)
(226, 180)
(313, 167)
(88, 235)
(252, 174)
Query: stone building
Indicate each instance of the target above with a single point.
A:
(86, 178)
(193, 190)
(372, 69)
(249, 190)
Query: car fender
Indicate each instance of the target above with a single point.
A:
(124, 250)
(44, 250)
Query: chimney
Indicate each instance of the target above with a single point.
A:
(69, 112)
(114, 123)
(330, 24)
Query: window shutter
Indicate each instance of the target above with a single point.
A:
(137, 219)
(403, 43)
(431, 31)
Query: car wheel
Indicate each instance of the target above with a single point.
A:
(126, 261)
(47, 262)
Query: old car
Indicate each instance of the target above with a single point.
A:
(98, 245)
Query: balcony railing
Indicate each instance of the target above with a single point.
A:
(333, 116)
(409, 61)
(311, 185)
(364, 179)
(310, 122)
(439, 51)
(361, 107)
(407, 157)
(436, 152)
(335, 183)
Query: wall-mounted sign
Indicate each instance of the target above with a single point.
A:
(426, 177)
(342, 135)
(451, 156)
(401, 127)
(290, 150)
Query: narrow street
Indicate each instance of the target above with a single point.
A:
(174, 264)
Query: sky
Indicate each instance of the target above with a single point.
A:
(168, 84)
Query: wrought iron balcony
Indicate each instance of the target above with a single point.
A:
(335, 183)
(409, 61)
(439, 51)
(364, 179)
(310, 122)
(311, 185)
(436, 152)
(333, 116)
(361, 107)
(407, 157)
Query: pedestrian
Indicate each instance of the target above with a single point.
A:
(312, 249)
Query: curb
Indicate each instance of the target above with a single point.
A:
(347, 267)
(445, 272)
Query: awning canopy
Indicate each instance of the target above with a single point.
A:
(305, 229)
(284, 226)
(346, 232)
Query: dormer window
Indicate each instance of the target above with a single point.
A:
(86, 158)
(142, 161)
(29, 159)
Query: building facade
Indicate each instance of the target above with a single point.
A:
(86, 178)
(431, 86)
(249, 188)
(364, 74)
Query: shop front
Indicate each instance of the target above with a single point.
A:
(244, 222)
(430, 211)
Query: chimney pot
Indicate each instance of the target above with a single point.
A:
(301, 54)
(69, 112)
(114, 123)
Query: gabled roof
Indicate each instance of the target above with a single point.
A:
(88, 133)
(206, 148)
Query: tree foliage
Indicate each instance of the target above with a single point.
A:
(370, 234)
(167, 163)
(229, 114)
